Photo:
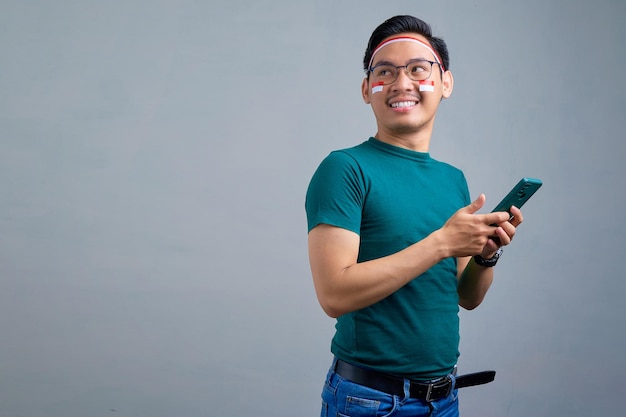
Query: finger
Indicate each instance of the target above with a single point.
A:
(503, 237)
(491, 246)
(475, 205)
(496, 217)
(493, 235)
(509, 229)
(518, 218)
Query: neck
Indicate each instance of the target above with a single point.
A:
(418, 141)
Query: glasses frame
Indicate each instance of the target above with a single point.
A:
(370, 71)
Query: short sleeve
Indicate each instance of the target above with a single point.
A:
(336, 193)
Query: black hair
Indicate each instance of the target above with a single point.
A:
(403, 24)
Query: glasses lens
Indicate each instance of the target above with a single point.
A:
(384, 73)
(419, 70)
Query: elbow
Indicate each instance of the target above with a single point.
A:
(332, 305)
(468, 307)
(332, 310)
(333, 314)
(470, 304)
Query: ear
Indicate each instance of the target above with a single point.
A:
(365, 90)
(447, 82)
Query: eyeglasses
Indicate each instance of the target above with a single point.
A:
(416, 70)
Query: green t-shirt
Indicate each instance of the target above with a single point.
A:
(394, 197)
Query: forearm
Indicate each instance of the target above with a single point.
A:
(474, 282)
(359, 285)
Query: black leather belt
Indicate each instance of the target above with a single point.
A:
(428, 390)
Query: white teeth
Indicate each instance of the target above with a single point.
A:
(404, 104)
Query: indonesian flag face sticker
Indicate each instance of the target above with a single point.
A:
(377, 87)
(427, 85)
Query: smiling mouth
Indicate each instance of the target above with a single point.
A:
(403, 104)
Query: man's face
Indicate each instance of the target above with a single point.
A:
(400, 107)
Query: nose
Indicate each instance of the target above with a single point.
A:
(403, 82)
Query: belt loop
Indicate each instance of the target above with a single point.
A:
(407, 389)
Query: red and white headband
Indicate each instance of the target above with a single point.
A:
(406, 39)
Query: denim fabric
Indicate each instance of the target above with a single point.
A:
(342, 398)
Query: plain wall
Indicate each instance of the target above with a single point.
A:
(154, 157)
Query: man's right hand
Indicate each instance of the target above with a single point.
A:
(466, 233)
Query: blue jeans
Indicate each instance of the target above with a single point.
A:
(343, 398)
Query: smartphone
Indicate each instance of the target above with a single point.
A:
(519, 194)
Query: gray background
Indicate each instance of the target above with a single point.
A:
(153, 163)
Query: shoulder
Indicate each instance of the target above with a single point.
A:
(445, 165)
(352, 154)
(448, 168)
(345, 160)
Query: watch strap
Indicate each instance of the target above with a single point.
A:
(488, 263)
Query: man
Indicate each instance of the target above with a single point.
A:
(395, 245)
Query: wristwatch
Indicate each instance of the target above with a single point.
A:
(488, 262)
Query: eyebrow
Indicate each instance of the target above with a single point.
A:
(383, 62)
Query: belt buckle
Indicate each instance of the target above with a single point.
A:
(439, 384)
